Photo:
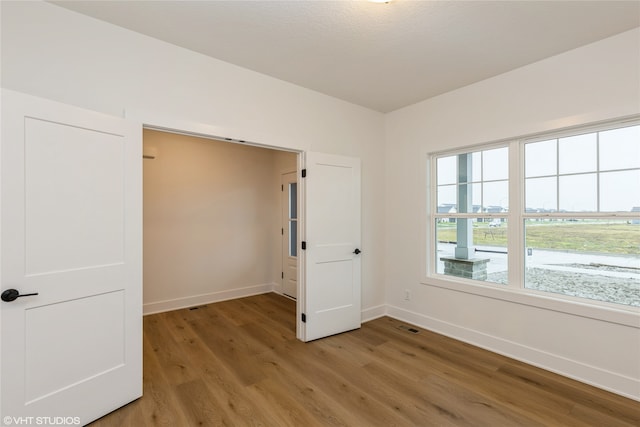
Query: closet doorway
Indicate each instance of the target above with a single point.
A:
(212, 220)
(328, 252)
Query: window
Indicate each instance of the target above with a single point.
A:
(293, 219)
(574, 230)
(471, 217)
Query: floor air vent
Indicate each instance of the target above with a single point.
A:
(409, 329)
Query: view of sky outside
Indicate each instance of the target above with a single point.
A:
(598, 171)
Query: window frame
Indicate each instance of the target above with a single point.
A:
(515, 290)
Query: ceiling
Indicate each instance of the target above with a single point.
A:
(382, 56)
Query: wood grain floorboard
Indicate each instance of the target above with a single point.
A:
(238, 363)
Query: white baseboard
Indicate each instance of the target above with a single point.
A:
(610, 381)
(277, 288)
(373, 313)
(178, 303)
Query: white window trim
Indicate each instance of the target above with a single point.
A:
(515, 291)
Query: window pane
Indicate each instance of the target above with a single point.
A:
(595, 259)
(472, 193)
(619, 191)
(470, 198)
(541, 158)
(293, 200)
(487, 263)
(578, 193)
(541, 194)
(578, 153)
(476, 168)
(495, 164)
(476, 197)
(620, 148)
(447, 196)
(495, 196)
(447, 170)
(293, 238)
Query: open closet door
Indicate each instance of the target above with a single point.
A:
(71, 262)
(330, 255)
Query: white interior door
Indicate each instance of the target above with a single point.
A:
(330, 263)
(290, 234)
(71, 231)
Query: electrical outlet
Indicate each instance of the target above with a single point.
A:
(407, 295)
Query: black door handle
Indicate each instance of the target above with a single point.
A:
(357, 251)
(13, 294)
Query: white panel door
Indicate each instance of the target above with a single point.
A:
(331, 260)
(71, 229)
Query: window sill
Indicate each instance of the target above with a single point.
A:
(603, 311)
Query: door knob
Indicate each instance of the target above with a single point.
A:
(357, 251)
(13, 294)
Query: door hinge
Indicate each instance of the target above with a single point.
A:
(282, 231)
(304, 245)
(283, 274)
(304, 318)
(304, 173)
(282, 187)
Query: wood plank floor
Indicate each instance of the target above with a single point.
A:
(238, 363)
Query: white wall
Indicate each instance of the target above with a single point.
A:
(596, 82)
(211, 220)
(54, 53)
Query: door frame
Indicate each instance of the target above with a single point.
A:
(169, 124)
(301, 298)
